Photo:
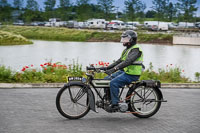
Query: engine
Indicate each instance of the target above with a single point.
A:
(123, 107)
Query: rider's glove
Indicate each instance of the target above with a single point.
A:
(110, 71)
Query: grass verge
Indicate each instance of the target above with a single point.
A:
(7, 38)
(65, 34)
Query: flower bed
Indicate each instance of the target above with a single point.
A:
(59, 73)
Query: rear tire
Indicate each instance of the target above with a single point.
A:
(68, 107)
(140, 106)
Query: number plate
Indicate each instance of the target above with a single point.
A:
(75, 78)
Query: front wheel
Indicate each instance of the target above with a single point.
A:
(145, 101)
(72, 101)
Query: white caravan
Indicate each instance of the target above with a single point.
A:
(159, 25)
(186, 25)
(96, 23)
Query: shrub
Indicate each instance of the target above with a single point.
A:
(169, 74)
(5, 74)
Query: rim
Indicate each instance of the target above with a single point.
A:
(77, 105)
(146, 105)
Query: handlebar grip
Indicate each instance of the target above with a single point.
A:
(90, 68)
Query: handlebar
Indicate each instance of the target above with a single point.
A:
(91, 68)
(94, 69)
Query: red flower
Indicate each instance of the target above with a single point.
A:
(23, 69)
(45, 68)
(26, 67)
(41, 65)
(31, 65)
(54, 65)
(45, 63)
(49, 64)
(183, 71)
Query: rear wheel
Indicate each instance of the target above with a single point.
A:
(144, 101)
(72, 102)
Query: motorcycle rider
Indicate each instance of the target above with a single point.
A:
(126, 69)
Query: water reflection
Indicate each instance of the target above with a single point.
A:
(187, 57)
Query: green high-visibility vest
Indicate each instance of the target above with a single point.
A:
(136, 68)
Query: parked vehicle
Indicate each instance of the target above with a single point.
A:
(112, 26)
(147, 23)
(96, 23)
(83, 25)
(117, 25)
(48, 24)
(130, 26)
(186, 25)
(72, 24)
(172, 25)
(19, 22)
(153, 27)
(156, 25)
(60, 24)
(134, 23)
(197, 25)
(76, 98)
(34, 23)
(54, 20)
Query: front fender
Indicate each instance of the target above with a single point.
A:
(90, 93)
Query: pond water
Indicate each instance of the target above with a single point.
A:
(186, 57)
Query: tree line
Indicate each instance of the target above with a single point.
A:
(81, 10)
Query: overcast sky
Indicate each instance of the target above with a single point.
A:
(117, 3)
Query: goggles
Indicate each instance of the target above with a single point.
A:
(125, 39)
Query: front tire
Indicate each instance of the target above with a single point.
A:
(145, 102)
(72, 101)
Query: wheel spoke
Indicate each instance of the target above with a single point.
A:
(73, 102)
(141, 104)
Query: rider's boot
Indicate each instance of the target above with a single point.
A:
(113, 108)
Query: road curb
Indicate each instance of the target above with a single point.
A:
(59, 85)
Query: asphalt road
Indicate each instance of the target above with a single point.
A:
(34, 111)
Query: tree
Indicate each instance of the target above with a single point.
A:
(83, 10)
(160, 7)
(171, 11)
(18, 4)
(49, 5)
(5, 11)
(32, 11)
(82, 2)
(150, 14)
(106, 6)
(187, 9)
(65, 3)
(32, 5)
(3, 3)
(134, 8)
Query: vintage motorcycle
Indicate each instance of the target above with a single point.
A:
(76, 98)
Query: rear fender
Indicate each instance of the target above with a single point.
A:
(147, 83)
(155, 84)
(89, 92)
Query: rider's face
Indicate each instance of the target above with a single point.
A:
(126, 44)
